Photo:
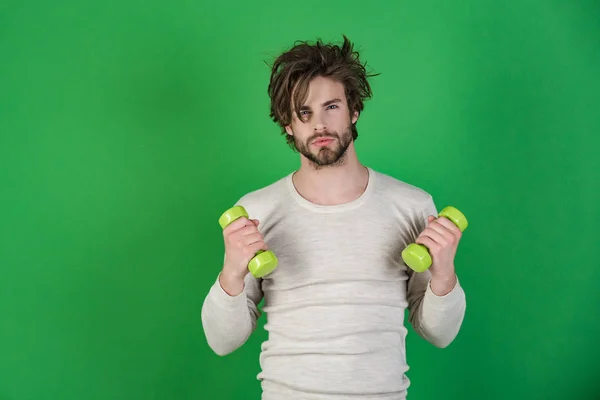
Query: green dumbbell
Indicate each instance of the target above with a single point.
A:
(264, 262)
(417, 256)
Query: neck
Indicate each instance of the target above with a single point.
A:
(334, 184)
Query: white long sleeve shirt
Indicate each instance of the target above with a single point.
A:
(336, 303)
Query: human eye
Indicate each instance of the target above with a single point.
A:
(304, 115)
(331, 106)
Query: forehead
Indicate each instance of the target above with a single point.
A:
(321, 89)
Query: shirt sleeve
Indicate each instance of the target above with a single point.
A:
(228, 321)
(436, 319)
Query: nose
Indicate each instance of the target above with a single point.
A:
(319, 124)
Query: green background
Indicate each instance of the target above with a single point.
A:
(126, 128)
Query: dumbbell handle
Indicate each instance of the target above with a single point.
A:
(417, 256)
(264, 262)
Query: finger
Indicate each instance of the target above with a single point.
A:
(450, 226)
(236, 225)
(441, 229)
(434, 235)
(240, 234)
(427, 242)
(255, 221)
(255, 247)
(430, 218)
(251, 239)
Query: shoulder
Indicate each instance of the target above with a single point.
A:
(402, 193)
(262, 201)
(392, 186)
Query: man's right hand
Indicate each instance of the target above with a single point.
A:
(242, 242)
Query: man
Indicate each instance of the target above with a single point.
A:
(335, 304)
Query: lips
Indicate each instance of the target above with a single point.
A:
(322, 141)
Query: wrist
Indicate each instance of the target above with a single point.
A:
(441, 285)
(232, 285)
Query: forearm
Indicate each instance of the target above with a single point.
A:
(441, 311)
(228, 320)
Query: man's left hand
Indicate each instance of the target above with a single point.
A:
(441, 237)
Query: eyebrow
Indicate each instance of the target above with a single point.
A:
(328, 102)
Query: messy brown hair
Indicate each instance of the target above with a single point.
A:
(295, 68)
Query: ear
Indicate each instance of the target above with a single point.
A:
(355, 117)
(288, 129)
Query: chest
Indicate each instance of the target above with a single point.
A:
(331, 247)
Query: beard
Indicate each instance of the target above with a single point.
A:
(329, 156)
